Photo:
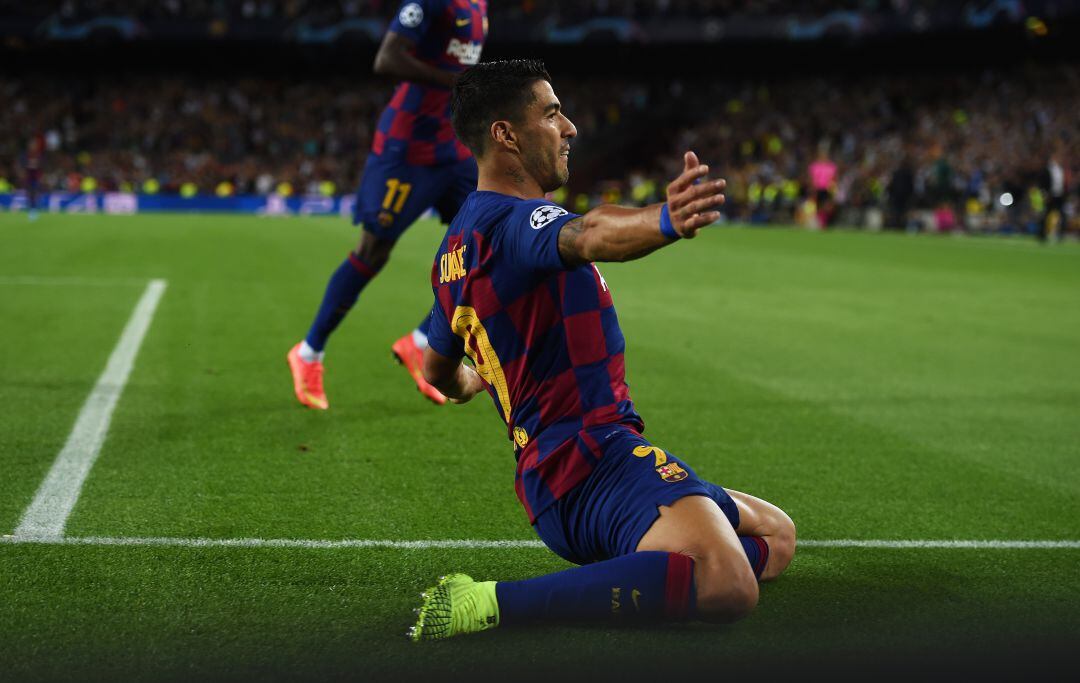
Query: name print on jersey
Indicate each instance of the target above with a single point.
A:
(452, 265)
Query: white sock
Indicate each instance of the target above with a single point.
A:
(420, 339)
(310, 355)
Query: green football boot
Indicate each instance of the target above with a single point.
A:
(456, 605)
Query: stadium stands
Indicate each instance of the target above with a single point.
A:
(966, 143)
(558, 21)
(930, 151)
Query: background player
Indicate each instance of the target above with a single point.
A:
(415, 163)
(516, 291)
(32, 162)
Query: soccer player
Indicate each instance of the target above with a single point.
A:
(415, 163)
(32, 162)
(517, 291)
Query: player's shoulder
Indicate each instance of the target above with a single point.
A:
(496, 211)
(483, 209)
(535, 213)
(412, 14)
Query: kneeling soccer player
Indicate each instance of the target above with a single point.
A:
(517, 292)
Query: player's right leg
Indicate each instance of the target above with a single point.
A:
(342, 291)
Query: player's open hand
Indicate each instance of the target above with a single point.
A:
(693, 197)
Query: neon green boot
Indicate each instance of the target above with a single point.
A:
(456, 605)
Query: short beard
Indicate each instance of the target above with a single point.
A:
(549, 178)
(557, 181)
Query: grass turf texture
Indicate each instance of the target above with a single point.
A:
(874, 386)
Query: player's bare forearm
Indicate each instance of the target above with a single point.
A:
(619, 233)
(395, 60)
(462, 385)
(611, 233)
(457, 381)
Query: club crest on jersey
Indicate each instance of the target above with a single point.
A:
(411, 15)
(671, 472)
(521, 437)
(467, 53)
(543, 215)
(386, 219)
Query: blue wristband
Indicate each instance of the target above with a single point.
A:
(666, 228)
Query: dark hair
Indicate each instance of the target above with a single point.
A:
(491, 91)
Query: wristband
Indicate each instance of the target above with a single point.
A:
(666, 228)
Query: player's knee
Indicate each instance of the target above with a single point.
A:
(781, 546)
(374, 251)
(724, 603)
(726, 591)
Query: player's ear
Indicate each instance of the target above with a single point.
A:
(502, 132)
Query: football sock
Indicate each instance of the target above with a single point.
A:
(308, 354)
(341, 293)
(757, 551)
(422, 329)
(641, 585)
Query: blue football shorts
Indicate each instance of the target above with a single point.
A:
(394, 194)
(607, 514)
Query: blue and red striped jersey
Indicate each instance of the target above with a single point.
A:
(543, 337)
(415, 126)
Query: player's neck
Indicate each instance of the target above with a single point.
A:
(508, 179)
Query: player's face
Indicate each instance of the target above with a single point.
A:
(546, 139)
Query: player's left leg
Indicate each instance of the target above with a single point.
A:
(456, 182)
(453, 184)
(765, 531)
(655, 541)
(759, 519)
(689, 564)
(639, 586)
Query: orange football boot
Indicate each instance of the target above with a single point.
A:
(307, 380)
(409, 354)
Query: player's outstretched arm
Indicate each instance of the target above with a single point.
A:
(457, 381)
(619, 233)
(395, 60)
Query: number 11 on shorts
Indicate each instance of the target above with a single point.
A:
(398, 188)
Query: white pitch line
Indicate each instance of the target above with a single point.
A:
(507, 544)
(272, 542)
(48, 512)
(947, 544)
(45, 281)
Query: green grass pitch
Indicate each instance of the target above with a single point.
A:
(874, 386)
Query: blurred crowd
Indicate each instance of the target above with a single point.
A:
(294, 9)
(578, 10)
(187, 135)
(556, 11)
(199, 10)
(937, 151)
(168, 135)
